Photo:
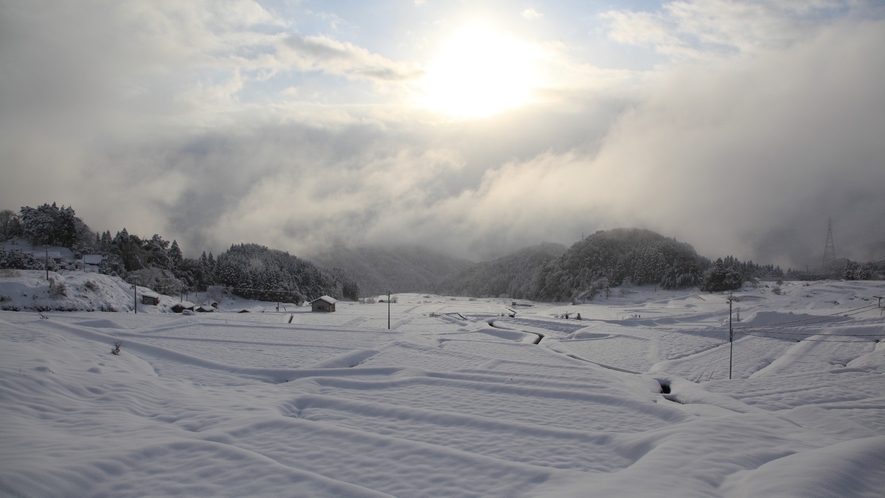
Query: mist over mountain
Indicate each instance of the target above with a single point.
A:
(510, 275)
(379, 270)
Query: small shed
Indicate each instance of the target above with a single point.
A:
(152, 298)
(205, 308)
(323, 303)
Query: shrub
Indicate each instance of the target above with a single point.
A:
(57, 289)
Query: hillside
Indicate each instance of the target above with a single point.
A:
(256, 272)
(378, 270)
(510, 275)
(609, 258)
(28, 290)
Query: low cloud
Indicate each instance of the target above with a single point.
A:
(744, 143)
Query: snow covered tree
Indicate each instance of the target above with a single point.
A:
(49, 224)
(174, 254)
(721, 278)
(10, 224)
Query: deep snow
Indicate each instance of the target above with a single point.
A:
(455, 400)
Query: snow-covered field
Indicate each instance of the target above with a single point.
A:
(454, 400)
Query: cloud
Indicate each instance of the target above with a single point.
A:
(705, 28)
(531, 14)
(213, 124)
(320, 53)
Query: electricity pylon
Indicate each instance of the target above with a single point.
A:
(829, 248)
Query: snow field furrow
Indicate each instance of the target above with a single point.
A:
(181, 468)
(820, 472)
(750, 355)
(411, 468)
(550, 447)
(232, 353)
(570, 409)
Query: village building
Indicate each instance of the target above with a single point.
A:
(91, 262)
(323, 303)
(184, 305)
(150, 297)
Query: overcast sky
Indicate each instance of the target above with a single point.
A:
(468, 126)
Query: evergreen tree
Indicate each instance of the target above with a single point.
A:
(174, 254)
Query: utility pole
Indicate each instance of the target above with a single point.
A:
(730, 337)
(388, 310)
(135, 298)
(46, 262)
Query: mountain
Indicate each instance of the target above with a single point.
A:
(610, 257)
(378, 270)
(510, 275)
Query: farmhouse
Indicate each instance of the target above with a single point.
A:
(323, 303)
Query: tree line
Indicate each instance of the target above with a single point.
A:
(248, 270)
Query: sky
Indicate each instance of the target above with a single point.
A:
(475, 128)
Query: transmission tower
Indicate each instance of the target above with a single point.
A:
(829, 248)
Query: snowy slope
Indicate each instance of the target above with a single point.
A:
(29, 290)
(456, 399)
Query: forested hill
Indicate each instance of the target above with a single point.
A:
(608, 258)
(510, 275)
(249, 270)
(254, 271)
(398, 269)
(550, 272)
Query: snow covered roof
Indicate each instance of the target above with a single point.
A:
(149, 293)
(92, 259)
(327, 299)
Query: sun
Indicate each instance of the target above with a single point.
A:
(480, 72)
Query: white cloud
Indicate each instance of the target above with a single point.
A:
(531, 14)
(321, 53)
(707, 28)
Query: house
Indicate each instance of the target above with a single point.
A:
(91, 262)
(323, 303)
(184, 305)
(149, 297)
(205, 308)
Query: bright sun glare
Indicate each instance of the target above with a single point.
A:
(480, 72)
